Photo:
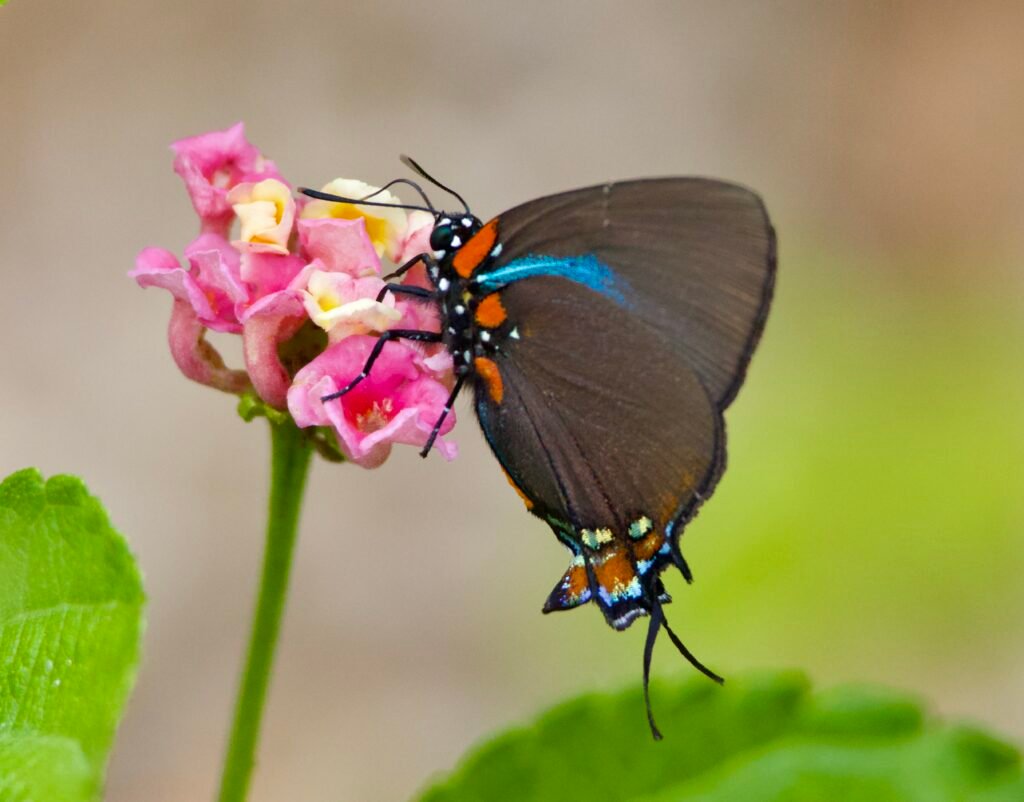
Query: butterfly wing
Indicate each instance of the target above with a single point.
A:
(610, 437)
(635, 308)
(692, 258)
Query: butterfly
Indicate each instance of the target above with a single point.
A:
(604, 332)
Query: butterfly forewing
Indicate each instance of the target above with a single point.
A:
(693, 259)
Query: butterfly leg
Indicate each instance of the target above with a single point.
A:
(404, 289)
(391, 334)
(427, 259)
(444, 414)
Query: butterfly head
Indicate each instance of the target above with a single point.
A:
(451, 232)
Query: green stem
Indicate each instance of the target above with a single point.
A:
(290, 464)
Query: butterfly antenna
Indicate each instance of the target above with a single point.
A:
(408, 183)
(326, 196)
(413, 165)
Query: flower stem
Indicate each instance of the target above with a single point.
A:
(290, 464)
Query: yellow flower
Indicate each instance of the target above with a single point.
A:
(385, 227)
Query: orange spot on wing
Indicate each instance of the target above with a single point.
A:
(579, 583)
(522, 495)
(614, 572)
(490, 312)
(487, 370)
(648, 547)
(475, 251)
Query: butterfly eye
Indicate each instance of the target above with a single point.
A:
(441, 238)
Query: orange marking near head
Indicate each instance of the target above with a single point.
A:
(488, 371)
(614, 572)
(490, 312)
(475, 251)
(522, 495)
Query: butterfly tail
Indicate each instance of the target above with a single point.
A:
(572, 590)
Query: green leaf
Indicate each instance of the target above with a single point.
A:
(764, 738)
(70, 625)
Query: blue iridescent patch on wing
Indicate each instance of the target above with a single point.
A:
(587, 270)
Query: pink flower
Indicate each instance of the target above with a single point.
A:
(283, 300)
(396, 403)
(211, 164)
(283, 282)
(343, 306)
(212, 285)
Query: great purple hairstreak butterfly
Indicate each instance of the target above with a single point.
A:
(604, 332)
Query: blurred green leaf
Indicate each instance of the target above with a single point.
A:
(70, 625)
(759, 739)
(875, 457)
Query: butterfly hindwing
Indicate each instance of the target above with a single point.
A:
(606, 432)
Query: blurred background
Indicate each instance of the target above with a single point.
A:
(871, 523)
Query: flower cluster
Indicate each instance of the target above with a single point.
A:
(298, 280)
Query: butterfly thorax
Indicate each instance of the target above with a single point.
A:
(474, 322)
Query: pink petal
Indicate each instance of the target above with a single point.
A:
(156, 267)
(396, 403)
(421, 403)
(195, 357)
(216, 269)
(342, 245)
(439, 364)
(267, 273)
(417, 236)
(416, 314)
(269, 322)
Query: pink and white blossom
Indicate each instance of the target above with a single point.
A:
(211, 164)
(212, 285)
(384, 226)
(343, 306)
(398, 402)
(293, 271)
